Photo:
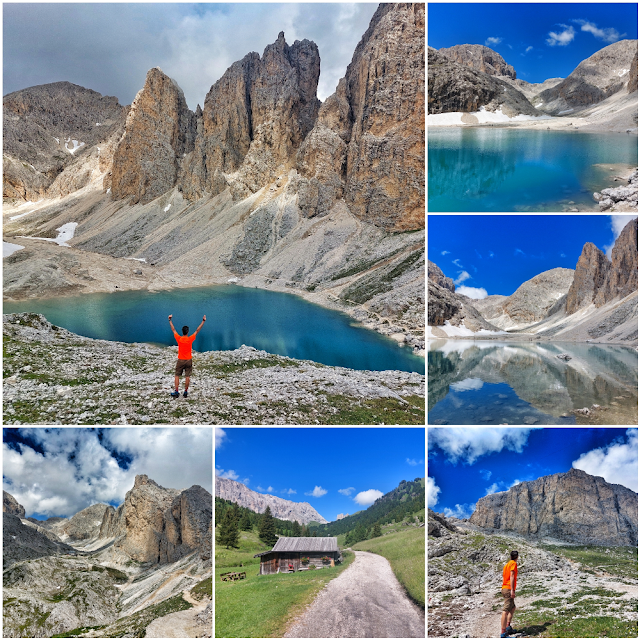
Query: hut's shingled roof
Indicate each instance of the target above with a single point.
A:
(306, 544)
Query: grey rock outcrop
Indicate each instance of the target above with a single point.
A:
(633, 75)
(368, 143)
(532, 89)
(455, 87)
(39, 126)
(573, 506)
(434, 273)
(159, 131)
(531, 302)
(254, 120)
(23, 542)
(236, 492)
(480, 58)
(83, 525)
(623, 198)
(11, 505)
(601, 75)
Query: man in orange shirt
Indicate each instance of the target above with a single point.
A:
(185, 362)
(509, 580)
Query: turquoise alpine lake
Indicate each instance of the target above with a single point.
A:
(502, 169)
(279, 323)
(488, 382)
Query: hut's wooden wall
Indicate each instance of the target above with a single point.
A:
(281, 560)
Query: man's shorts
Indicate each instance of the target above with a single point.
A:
(184, 365)
(509, 604)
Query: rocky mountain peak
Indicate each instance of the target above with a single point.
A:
(590, 274)
(572, 506)
(11, 505)
(435, 275)
(481, 58)
(237, 492)
(160, 130)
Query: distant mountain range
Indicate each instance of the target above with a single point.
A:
(237, 492)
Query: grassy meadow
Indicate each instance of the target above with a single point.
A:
(616, 561)
(262, 606)
(404, 548)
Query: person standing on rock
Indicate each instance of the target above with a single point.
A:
(509, 580)
(185, 363)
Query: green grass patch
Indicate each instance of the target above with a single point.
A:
(543, 625)
(202, 589)
(405, 552)
(248, 545)
(374, 410)
(118, 576)
(263, 606)
(617, 561)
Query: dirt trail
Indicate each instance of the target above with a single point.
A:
(182, 624)
(364, 601)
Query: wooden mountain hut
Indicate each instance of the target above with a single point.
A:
(288, 552)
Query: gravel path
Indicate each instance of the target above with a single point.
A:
(364, 601)
(182, 624)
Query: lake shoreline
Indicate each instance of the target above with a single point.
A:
(630, 344)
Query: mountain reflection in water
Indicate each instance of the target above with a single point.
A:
(485, 382)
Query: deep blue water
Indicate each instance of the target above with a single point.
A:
(279, 323)
(499, 169)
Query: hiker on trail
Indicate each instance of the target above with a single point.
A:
(509, 580)
(184, 355)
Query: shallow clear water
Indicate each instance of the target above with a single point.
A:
(279, 323)
(498, 169)
(487, 382)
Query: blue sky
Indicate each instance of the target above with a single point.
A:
(496, 254)
(465, 464)
(539, 40)
(58, 472)
(109, 47)
(339, 470)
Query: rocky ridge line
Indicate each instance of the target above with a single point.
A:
(481, 58)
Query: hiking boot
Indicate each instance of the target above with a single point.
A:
(504, 635)
(509, 630)
(186, 393)
(175, 394)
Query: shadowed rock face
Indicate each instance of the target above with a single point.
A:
(11, 505)
(633, 75)
(590, 274)
(160, 130)
(572, 506)
(481, 58)
(436, 275)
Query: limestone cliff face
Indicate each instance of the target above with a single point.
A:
(368, 144)
(481, 58)
(83, 525)
(590, 274)
(633, 75)
(162, 525)
(160, 130)
(11, 505)
(236, 492)
(622, 276)
(254, 120)
(572, 506)
(435, 274)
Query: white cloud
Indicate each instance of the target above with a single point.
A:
(519, 251)
(413, 462)
(259, 488)
(366, 498)
(444, 253)
(318, 492)
(245, 481)
(618, 223)
(289, 492)
(470, 443)
(432, 492)
(491, 254)
(468, 384)
(476, 293)
(485, 473)
(608, 34)
(77, 469)
(529, 48)
(514, 483)
(270, 489)
(494, 488)
(616, 463)
(347, 492)
(457, 263)
(563, 38)
(492, 41)
(461, 511)
(562, 255)
(220, 437)
(463, 275)
(229, 475)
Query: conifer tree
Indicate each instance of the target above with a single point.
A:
(228, 532)
(377, 532)
(296, 531)
(267, 531)
(245, 522)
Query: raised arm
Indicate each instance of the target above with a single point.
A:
(204, 319)
(171, 324)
